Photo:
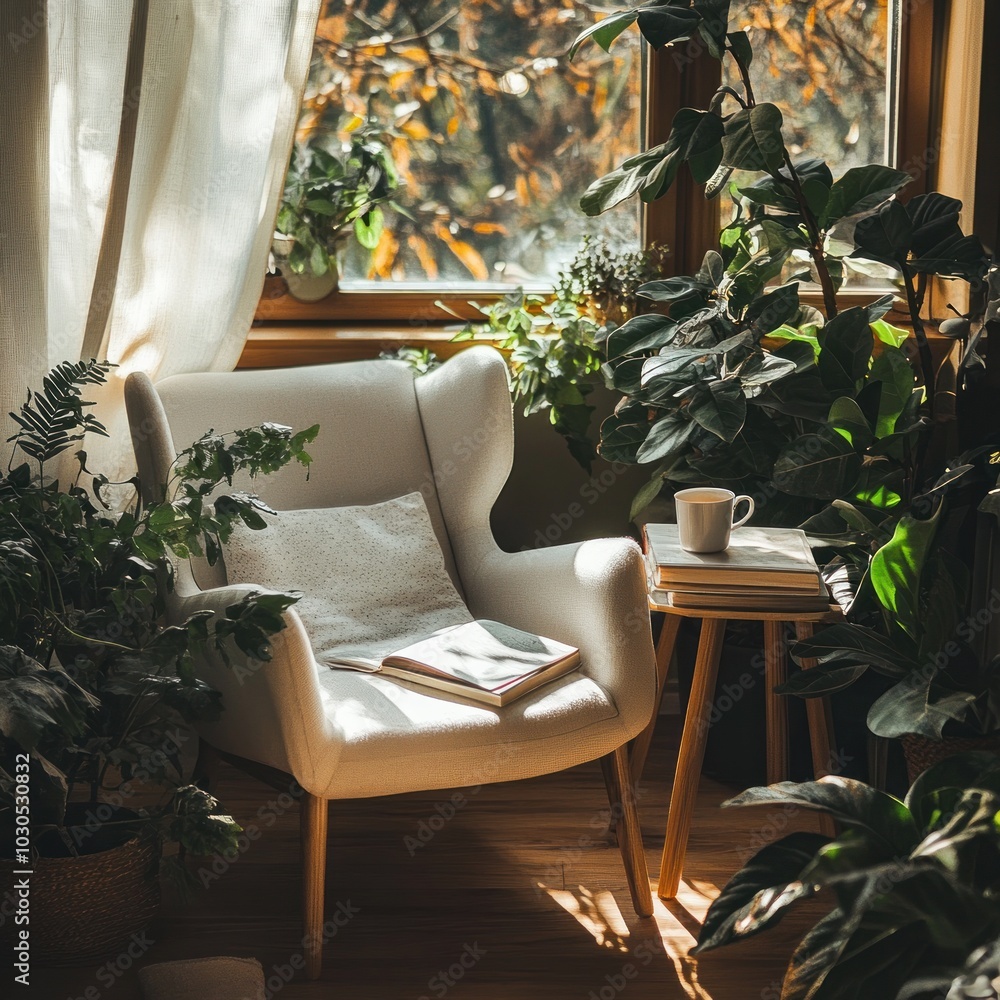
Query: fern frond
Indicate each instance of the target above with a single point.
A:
(53, 417)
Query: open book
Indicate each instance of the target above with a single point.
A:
(482, 660)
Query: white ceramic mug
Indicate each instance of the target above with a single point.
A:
(705, 518)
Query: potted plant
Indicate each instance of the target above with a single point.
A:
(911, 885)
(97, 694)
(736, 382)
(331, 192)
(909, 624)
(554, 345)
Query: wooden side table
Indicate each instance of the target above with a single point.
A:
(697, 720)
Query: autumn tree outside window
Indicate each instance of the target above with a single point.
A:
(497, 133)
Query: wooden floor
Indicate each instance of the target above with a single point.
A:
(522, 881)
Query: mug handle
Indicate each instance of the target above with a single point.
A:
(746, 517)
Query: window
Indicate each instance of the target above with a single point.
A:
(496, 134)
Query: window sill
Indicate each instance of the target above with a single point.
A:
(287, 345)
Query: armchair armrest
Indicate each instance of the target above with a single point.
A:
(272, 710)
(591, 594)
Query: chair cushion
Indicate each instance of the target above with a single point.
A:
(373, 578)
(394, 736)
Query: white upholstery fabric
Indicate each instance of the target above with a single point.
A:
(372, 577)
(448, 434)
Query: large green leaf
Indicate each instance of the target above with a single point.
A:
(649, 332)
(897, 568)
(665, 438)
(821, 680)
(753, 139)
(906, 708)
(621, 438)
(773, 309)
(847, 643)
(937, 790)
(884, 236)
(663, 25)
(757, 896)
(860, 190)
(818, 952)
(821, 465)
(721, 409)
(777, 191)
(35, 699)
(849, 422)
(896, 375)
(845, 351)
(605, 31)
(852, 802)
(623, 182)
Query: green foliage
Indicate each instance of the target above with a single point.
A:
(330, 194)
(912, 884)
(796, 210)
(906, 624)
(554, 345)
(93, 684)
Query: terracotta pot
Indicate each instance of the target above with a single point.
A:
(921, 752)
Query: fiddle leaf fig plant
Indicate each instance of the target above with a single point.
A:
(736, 378)
(96, 687)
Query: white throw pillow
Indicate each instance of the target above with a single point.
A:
(374, 578)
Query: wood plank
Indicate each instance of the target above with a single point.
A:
(525, 871)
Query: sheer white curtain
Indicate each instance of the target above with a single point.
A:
(143, 150)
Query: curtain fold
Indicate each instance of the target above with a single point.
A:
(144, 182)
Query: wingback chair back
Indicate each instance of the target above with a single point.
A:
(378, 428)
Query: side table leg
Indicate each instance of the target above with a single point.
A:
(691, 756)
(775, 706)
(664, 654)
(820, 717)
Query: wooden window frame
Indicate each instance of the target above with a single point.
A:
(355, 324)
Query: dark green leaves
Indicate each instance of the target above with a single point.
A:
(661, 25)
(695, 136)
(879, 816)
(721, 410)
(753, 139)
(860, 190)
(758, 895)
(821, 465)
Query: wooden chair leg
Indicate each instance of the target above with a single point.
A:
(775, 705)
(206, 767)
(820, 719)
(625, 816)
(313, 826)
(639, 749)
(691, 755)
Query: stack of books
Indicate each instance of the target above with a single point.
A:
(764, 569)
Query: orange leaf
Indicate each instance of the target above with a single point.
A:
(471, 259)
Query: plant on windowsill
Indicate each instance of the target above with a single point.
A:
(97, 692)
(554, 344)
(331, 194)
(912, 886)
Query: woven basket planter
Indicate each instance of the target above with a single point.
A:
(86, 907)
(920, 752)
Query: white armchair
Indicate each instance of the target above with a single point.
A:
(343, 734)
